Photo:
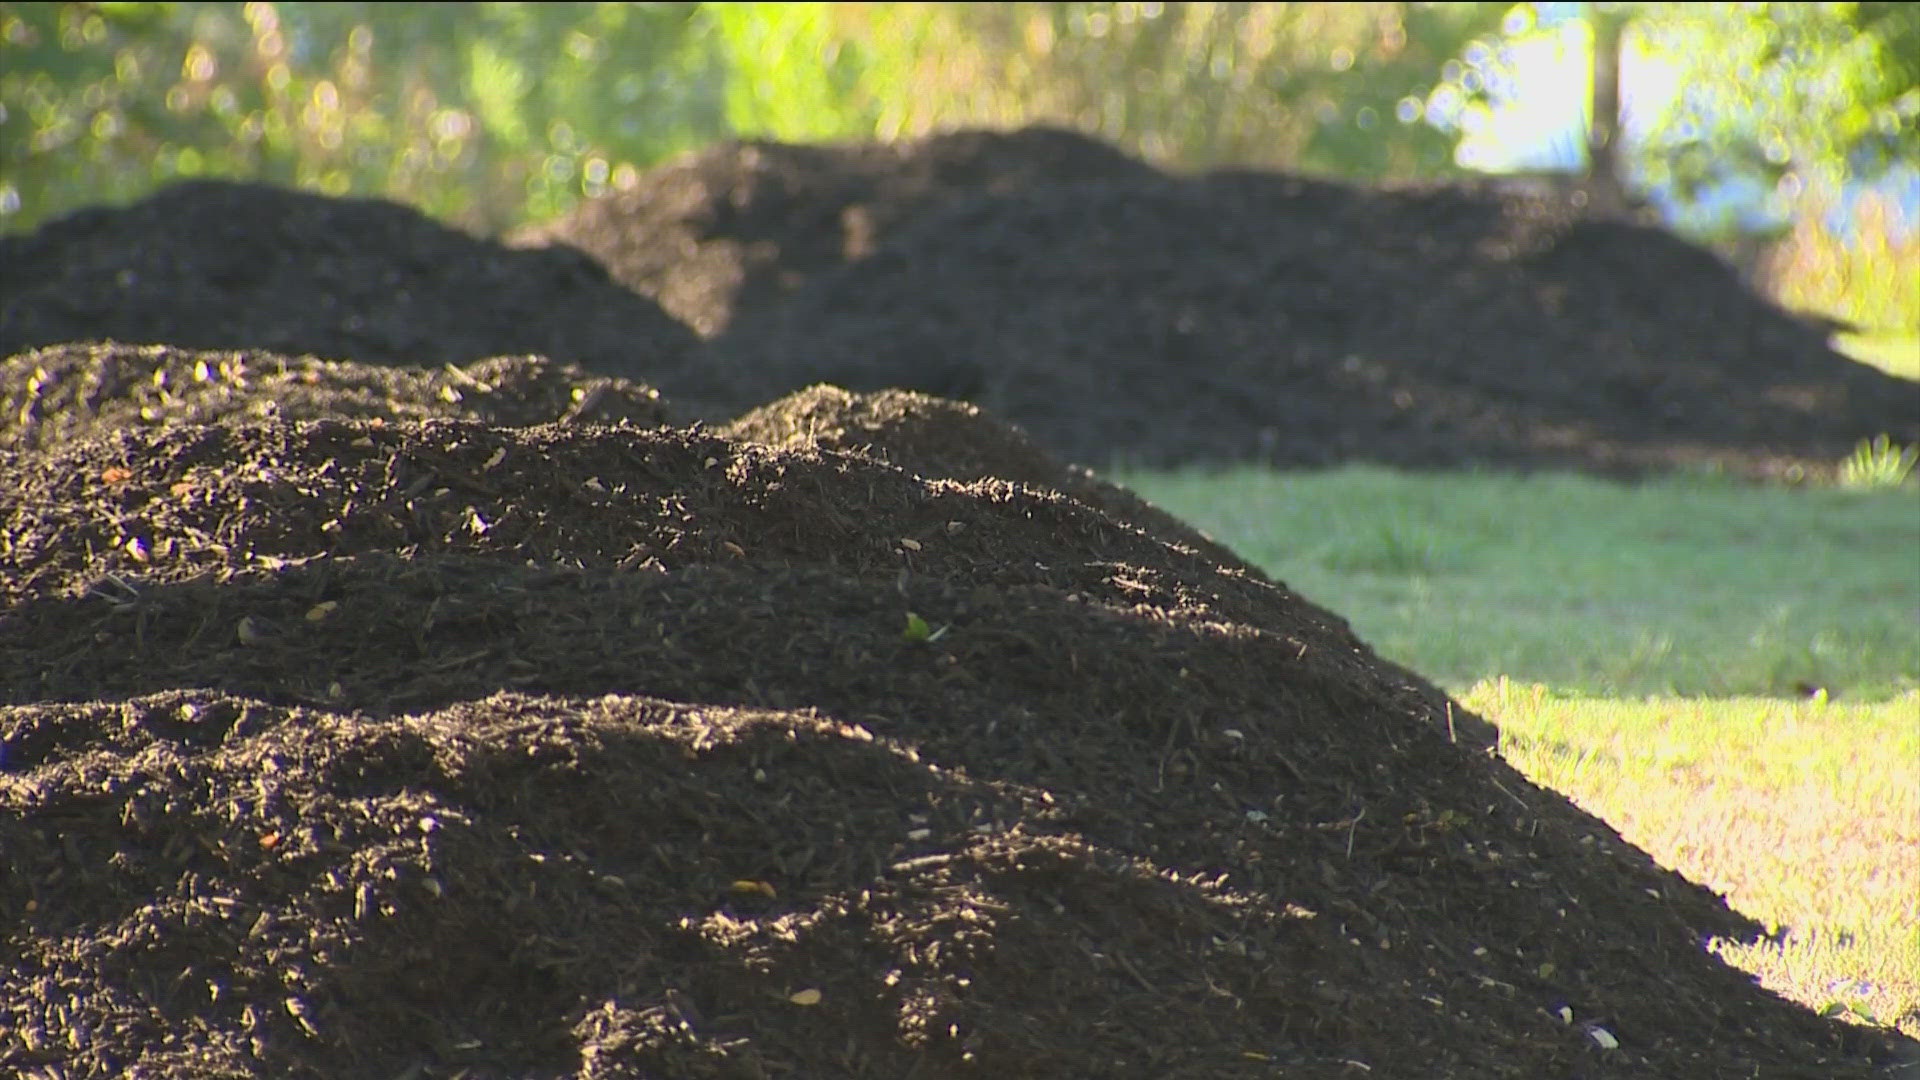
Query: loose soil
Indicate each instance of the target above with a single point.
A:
(1264, 318)
(1119, 315)
(65, 393)
(466, 719)
(237, 266)
(740, 226)
(377, 746)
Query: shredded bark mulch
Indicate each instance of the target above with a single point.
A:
(1258, 317)
(739, 226)
(388, 688)
(68, 392)
(952, 440)
(379, 746)
(219, 265)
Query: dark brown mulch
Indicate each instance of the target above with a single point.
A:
(71, 392)
(437, 748)
(952, 440)
(1262, 317)
(238, 266)
(361, 722)
(741, 225)
(1119, 315)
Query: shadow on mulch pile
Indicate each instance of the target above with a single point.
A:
(383, 746)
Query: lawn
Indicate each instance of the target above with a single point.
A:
(1728, 674)
(1694, 586)
(1805, 814)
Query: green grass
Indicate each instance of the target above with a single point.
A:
(1680, 624)
(1687, 586)
(1805, 814)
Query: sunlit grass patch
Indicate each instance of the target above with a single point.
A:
(1805, 814)
(1688, 585)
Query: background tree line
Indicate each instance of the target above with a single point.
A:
(492, 114)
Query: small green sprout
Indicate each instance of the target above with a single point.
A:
(918, 631)
(1878, 463)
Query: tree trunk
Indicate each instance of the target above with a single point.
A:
(1606, 166)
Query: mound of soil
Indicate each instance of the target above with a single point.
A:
(222, 265)
(953, 440)
(1260, 317)
(463, 721)
(72, 392)
(347, 748)
(740, 225)
(1117, 314)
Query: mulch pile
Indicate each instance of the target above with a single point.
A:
(942, 439)
(1273, 319)
(387, 746)
(740, 226)
(1120, 315)
(64, 393)
(219, 265)
(422, 707)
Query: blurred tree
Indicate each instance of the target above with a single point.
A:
(1817, 92)
(478, 112)
(1335, 88)
(791, 72)
(1780, 96)
(489, 114)
(1606, 145)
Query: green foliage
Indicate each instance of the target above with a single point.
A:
(1789, 95)
(481, 113)
(1886, 118)
(1852, 1009)
(491, 114)
(790, 75)
(919, 632)
(1322, 87)
(494, 113)
(1878, 463)
(1776, 90)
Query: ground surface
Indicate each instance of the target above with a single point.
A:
(351, 727)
